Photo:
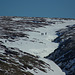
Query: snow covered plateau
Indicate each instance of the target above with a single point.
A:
(25, 41)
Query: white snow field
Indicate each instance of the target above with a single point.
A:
(40, 44)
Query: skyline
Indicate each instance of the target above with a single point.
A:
(39, 8)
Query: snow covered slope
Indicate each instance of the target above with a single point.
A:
(34, 36)
(40, 39)
(15, 62)
(64, 55)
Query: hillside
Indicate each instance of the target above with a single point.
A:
(25, 41)
(64, 55)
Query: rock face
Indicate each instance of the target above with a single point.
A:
(64, 55)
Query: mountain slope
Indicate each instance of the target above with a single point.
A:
(15, 57)
(64, 55)
(13, 61)
(32, 34)
(24, 41)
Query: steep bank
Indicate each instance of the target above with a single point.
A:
(64, 55)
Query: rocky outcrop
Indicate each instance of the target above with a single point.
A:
(64, 55)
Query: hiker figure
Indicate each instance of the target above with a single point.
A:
(5, 40)
(42, 33)
(45, 33)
